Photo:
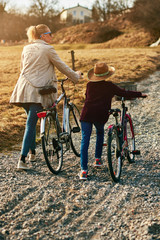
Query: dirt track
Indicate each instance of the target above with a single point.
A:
(39, 205)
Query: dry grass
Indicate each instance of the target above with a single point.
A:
(133, 64)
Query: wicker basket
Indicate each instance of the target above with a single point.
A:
(127, 86)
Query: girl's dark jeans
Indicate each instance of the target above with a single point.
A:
(86, 133)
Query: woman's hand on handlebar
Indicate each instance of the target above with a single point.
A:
(80, 74)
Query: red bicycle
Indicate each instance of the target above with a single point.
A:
(121, 140)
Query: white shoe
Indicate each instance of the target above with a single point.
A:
(32, 157)
(21, 165)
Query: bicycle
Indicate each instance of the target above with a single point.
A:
(121, 138)
(57, 139)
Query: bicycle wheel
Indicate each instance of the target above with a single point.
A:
(114, 155)
(52, 148)
(75, 129)
(130, 140)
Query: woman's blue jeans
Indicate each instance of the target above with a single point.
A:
(86, 134)
(29, 138)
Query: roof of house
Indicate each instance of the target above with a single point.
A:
(75, 7)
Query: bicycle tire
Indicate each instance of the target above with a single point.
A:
(52, 148)
(75, 129)
(114, 155)
(130, 140)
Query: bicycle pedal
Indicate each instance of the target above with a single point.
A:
(136, 152)
(75, 129)
(56, 145)
(63, 137)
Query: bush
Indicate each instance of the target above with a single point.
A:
(105, 34)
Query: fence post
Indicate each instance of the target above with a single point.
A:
(73, 60)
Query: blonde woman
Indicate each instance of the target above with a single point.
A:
(37, 70)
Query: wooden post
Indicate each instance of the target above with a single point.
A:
(73, 60)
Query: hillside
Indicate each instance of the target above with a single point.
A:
(118, 32)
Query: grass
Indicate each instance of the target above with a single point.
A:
(132, 64)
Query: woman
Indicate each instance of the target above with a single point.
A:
(99, 94)
(37, 70)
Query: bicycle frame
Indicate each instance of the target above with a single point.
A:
(52, 109)
(126, 116)
(122, 126)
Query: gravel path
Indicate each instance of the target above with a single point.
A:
(39, 205)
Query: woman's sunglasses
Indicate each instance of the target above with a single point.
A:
(50, 34)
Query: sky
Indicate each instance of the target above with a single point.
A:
(22, 5)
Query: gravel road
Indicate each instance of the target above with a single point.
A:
(39, 205)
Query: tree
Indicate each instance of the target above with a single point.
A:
(43, 8)
(3, 6)
(95, 14)
(120, 6)
(103, 9)
(146, 13)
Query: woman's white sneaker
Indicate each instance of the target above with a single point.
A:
(32, 157)
(21, 165)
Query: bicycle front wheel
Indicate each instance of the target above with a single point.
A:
(75, 129)
(114, 155)
(130, 140)
(52, 148)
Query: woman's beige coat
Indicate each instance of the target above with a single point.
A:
(37, 70)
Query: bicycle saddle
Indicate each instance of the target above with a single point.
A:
(47, 90)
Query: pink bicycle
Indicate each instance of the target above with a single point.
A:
(121, 141)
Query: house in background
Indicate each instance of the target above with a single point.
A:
(76, 15)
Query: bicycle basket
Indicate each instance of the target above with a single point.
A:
(127, 86)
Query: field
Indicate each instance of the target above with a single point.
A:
(132, 64)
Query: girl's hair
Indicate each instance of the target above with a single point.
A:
(34, 32)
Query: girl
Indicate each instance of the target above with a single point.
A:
(99, 94)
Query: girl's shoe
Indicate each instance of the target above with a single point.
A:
(98, 162)
(32, 157)
(21, 165)
(83, 175)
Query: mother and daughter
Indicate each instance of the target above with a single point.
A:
(38, 63)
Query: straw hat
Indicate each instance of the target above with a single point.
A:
(100, 72)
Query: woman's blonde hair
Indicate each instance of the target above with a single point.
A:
(34, 32)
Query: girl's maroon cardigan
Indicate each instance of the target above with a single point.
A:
(98, 100)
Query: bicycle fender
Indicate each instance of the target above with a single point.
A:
(42, 126)
(66, 120)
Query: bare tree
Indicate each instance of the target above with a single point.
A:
(103, 9)
(3, 5)
(120, 6)
(43, 8)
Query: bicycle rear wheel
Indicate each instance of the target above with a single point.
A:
(130, 140)
(75, 129)
(52, 148)
(114, 155)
